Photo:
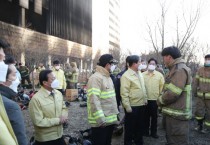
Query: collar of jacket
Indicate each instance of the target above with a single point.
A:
(153, 72)
(132, 72)
(7, 92)
(47, 93)
(176, 61)
(102, 70)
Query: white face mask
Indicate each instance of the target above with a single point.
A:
(57, 67)
(112, 68)
(14, 85)
(151, 67)
(55, 84)
(3, 71)
(142, 66)
(207, 62)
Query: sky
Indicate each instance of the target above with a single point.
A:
(136, 14)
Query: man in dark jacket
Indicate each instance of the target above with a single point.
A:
(12, 108)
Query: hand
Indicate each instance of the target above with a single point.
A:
(63, 119)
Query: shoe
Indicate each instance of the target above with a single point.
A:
(205, 131)
(154, 136)
(198, 128)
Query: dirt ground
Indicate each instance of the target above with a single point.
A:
(78, 121)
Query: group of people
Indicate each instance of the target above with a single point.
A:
(143, 90)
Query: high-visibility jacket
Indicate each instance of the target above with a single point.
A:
(24, 71)
(8, 136)
(202, 83)
(176, 100)
(101, 100)
(74, 76)
(59, 74)
(116, 71)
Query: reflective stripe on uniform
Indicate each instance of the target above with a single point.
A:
(173, 88)
(207, 123)
(94, 91)
(199, 118)
(201, 95)
(204, 80)
(197, 76)
(98, 114)
(109, 94)
(187, 112)
(109, 119)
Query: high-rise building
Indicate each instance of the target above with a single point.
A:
(105, 25)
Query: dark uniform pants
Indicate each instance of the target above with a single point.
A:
(134, 126)
(151, 114)
(177, 131)
(102, 135)
(59, 141)
(202, 111)
(26, 79)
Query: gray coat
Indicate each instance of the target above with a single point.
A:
(14, 114)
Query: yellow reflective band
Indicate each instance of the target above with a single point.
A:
(197, 76)
(188, 88)
(98, 114)
(174, 89)
(204, 80)
(94, 91)
(174, 112)
(200, 94)
(105, 95)
(199, 118)
(112, 118)
(207, 123)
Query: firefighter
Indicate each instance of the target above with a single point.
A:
(176, 98)
(116, 71)
(74, 75)
(101, 102)
(24, 72)
(202, 93)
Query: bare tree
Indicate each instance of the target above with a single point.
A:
(183, 39)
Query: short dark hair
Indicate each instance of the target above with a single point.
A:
(104, 59)
(133, 59)
(4, 44)
(152, 59)
(126, 62)
(207, 56)
(43, 76)
(8, 72)
(56, 62)
(173, 51)
(9, 59)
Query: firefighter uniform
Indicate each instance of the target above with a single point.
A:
(74, 76)
(176, 103)
(101, 106)
(202, 93)
(24, 71)
(116, 71)
(134, 98)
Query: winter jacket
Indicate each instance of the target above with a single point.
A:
(101, 101)
(8, 137)
(202, 83)
(45, 110)
(132, 89)
(59, 74)
(74, 73)
(14, 114)
(154, 84)
(176, 100)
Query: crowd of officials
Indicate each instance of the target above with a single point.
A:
(141, 87)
